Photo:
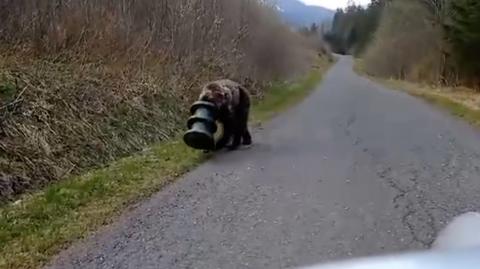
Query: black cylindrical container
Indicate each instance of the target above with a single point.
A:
(202, 126)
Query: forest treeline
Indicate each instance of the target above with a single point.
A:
(433, 41)
(84, 82)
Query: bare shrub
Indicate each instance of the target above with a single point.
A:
(406, 44)
(190, 32)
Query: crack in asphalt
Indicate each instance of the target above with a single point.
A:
(354, 170)
(409, 208)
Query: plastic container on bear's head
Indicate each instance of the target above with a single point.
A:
(202, 126)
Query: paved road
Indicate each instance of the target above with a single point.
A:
(354, 170)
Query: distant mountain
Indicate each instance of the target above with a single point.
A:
(297, 13)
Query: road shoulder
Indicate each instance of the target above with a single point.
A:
(39, 225)
(461, 102)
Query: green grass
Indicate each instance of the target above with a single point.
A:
(36, 227)
(284, 95)
(7, 90)
(39, 225)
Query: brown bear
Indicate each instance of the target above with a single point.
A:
(233, 103)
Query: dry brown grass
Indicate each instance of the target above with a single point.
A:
(84, 82)
(61, 118)
(459, 101)
(466, 97)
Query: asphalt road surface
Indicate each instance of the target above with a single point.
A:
(354, 170)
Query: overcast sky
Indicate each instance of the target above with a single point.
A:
(333, 4)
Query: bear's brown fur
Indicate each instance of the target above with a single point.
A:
(233, 103)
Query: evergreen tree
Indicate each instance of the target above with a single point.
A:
(463, 31)
(353, 28)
